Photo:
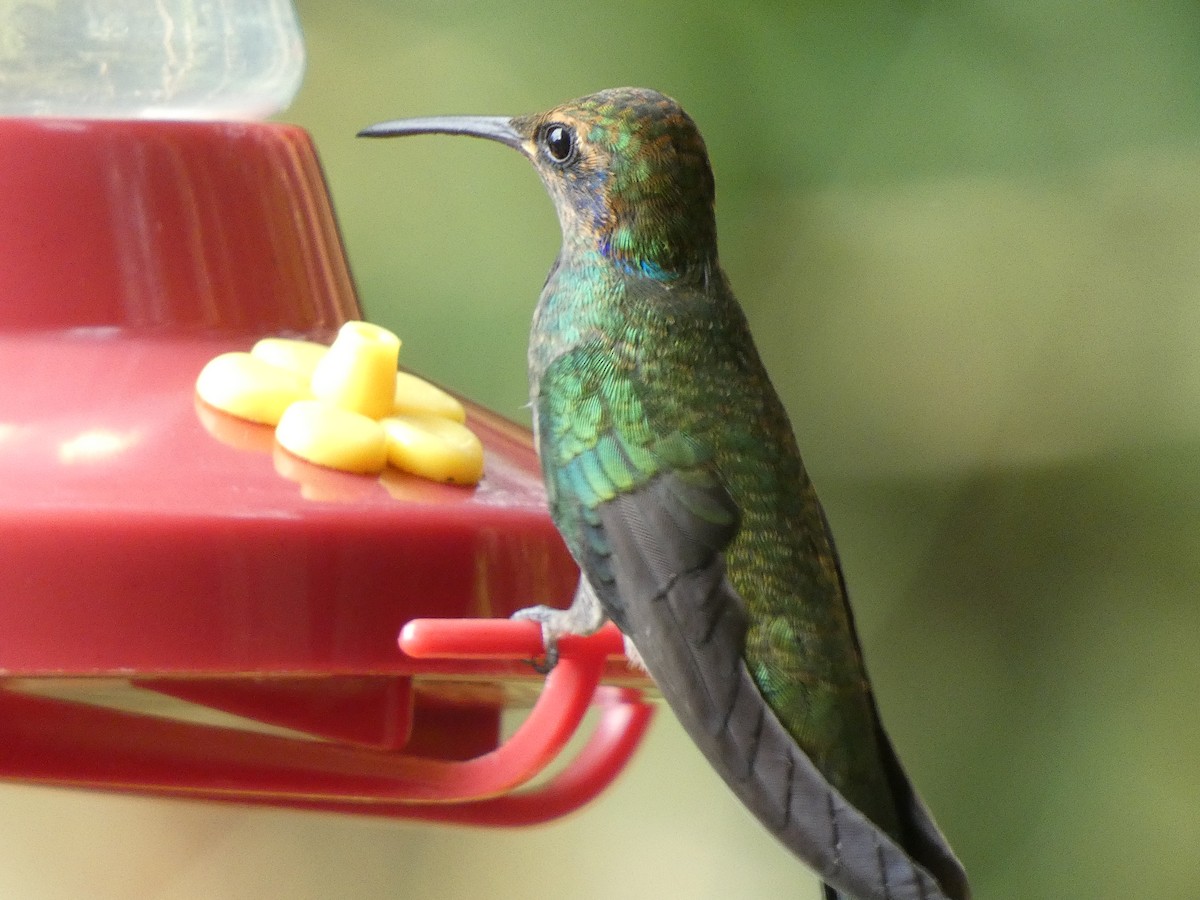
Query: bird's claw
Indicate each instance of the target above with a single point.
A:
(551, 659)
(546, 616)
(584, 616)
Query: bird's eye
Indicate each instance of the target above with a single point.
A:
(560, 142)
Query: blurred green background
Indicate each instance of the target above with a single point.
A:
(968, 238)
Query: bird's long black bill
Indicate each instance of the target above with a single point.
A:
(492, 128)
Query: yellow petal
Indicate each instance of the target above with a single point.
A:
(416, 396)
(300, 357)
(246, 386)
(331, 436)
(434, 447)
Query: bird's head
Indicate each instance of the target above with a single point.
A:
(626, 168)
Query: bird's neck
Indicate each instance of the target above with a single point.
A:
(590, 298)
(640, 228)
(653, 238)
(640, 246)
(581, 303)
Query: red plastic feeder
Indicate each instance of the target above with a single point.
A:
(187, 610)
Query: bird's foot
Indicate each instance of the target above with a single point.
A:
(584, 616)
(553, 627)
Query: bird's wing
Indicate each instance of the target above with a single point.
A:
(596, 444)
(648, 518)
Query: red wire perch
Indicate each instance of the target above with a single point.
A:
(622, 726)
(69, 743)
(498, 639)
(569, 689)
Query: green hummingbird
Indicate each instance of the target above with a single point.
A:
(673, 474)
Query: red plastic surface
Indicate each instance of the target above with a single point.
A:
(153, 544)
(172, 227)
(117, 507)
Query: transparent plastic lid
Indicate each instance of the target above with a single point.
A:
(169, 59)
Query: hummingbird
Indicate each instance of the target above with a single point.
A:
(673, 474)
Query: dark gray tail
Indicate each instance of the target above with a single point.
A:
(689, 625)
(701, 675)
